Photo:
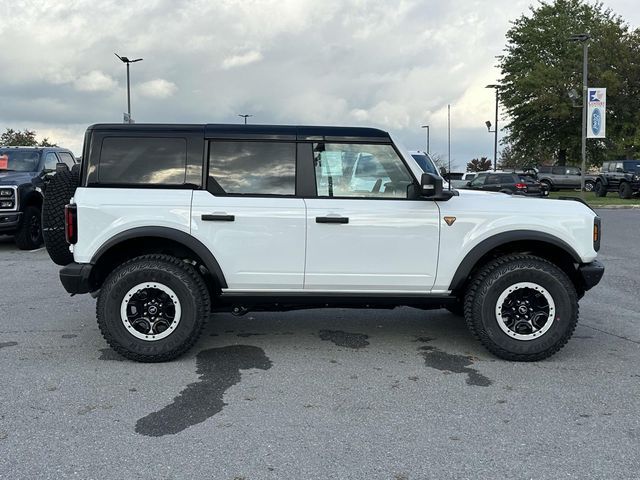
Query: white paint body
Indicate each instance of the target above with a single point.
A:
(275, 244)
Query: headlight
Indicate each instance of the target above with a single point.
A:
(6, 192)
(6, 203)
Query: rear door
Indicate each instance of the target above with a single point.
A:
(249, 217)
(363, 232)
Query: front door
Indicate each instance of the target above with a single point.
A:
(249, 217)
(363, 233)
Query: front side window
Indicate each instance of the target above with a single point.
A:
(252, 168)
(50, 161)
(143, 160)
(359, 170)
(478, 180)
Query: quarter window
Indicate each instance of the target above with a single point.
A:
(359, 170)
(147, 161)
(252, 168)
(67, 158)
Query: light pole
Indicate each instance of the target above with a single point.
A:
(584, 39)
(495, 128)
(427, 130)
(127, 61)
(245, 116)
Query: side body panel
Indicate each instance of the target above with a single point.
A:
(106, 212)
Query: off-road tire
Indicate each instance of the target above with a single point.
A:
(498, 275)
(176, 274)
(600, 189)
(625, 190)
(26, 238)
(57, 194)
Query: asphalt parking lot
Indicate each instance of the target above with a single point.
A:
(401, 394)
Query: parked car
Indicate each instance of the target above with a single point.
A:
(622, 176)
(20, 199)
(168, 223)
(564, 177)
(511, 183)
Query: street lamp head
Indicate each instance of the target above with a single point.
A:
(136, 60)
(425, 126)
(493, 85)
(579, 37)
(488, 124)
(126, 59)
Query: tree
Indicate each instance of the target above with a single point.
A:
(541, 66)
(26, 138)
(479, 165)
(511, 160)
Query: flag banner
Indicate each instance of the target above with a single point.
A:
(596, 112)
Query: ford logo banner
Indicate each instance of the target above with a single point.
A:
(596, 121)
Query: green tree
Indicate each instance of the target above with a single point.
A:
(26, 138)
(479, 165)
(541, 66)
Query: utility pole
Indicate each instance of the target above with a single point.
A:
(495, 127)
(127, 61)
(245, 116)
(584, 39)
(427, 130)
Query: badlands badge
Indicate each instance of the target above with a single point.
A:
(449, 220)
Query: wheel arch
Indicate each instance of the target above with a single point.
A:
(537, 243)
(144, 240)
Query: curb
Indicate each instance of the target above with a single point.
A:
(615, 207)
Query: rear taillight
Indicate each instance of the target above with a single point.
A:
(71, 223)
(521, 186)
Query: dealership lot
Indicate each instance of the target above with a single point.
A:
(398, 394)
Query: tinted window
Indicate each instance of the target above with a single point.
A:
(633, 166)
(259, 168)
(359, 170)
(151, 161)
(478, 180)
(50, 161)
(544, 169)
(573, 171)
(66, 158)
(19, 160)
(559, 170)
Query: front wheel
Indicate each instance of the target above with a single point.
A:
(600, 189)
(152, 308)
(29, 236)
(625, 191)
(521, 307)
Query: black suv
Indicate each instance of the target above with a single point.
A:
(622, 176)
(20, 196)
(511, 183)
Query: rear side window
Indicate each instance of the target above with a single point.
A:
(146, 161)
(252, 168)
(66, 158)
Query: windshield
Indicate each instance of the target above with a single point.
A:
(425, 163)
(19, 160)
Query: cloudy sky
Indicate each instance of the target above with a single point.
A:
(393, 64)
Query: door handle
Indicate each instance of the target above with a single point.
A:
(216, 217)
(332, 219)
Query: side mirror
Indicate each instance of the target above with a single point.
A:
(430, 185)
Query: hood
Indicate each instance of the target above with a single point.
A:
(15, 178)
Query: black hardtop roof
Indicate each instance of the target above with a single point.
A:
(239, 130)
(34, 148)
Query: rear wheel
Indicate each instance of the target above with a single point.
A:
(625, 190)
(600, 189)
(29, 236)
(547, 185)
(521, 307)
(152, 308)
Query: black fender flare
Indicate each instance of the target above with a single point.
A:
(169, 234)
(491, 243)
(602, 179)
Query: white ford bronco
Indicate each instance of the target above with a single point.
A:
(168, 223)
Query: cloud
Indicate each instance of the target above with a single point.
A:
(158, 88)
(94, 81)
(241, 60)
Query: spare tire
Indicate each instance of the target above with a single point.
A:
(57, 194)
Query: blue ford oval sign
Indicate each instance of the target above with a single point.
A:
(596, 121)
